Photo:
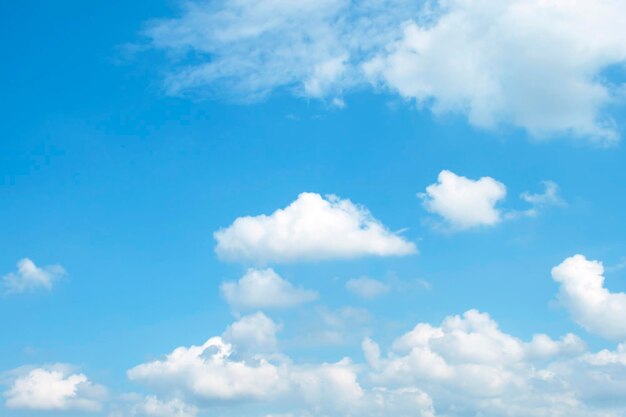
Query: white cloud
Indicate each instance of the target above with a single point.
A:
(263, 289)
(466, 366)
(530, 64)
(212, 372)
(464, 203)
(31, 277)
(207, 373)
(471, 367)
(550, 197)
(590, 304)
(54, 389)
(367, 287)
(310, 228)
(255, 332)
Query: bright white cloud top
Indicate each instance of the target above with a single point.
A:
(590, 304)
(310, 228)
(531, 64)
(54, 389)
(464, 203)
(30, 277)
(264, 289)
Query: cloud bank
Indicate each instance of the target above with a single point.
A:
(465, 366)
(529, 64)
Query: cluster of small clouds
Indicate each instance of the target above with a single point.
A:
(465, 366)
(463, 203)
(534, 65)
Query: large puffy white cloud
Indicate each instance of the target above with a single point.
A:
(533, 64)
(464, 203)
(262, 289)
(31, 277)
(590, 304)
(53, 388)
(311, 227)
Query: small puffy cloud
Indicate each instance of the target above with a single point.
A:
(54, 389)
(590, 304)
(263, 289)
(464, 203)
(366, 287)
(531, 64)
(30, 277)
(310, 228)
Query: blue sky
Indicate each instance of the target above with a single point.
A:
(452, 154)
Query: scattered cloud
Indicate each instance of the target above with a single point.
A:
(310, 228)
(53, 388)
(550, 197)
(30, 277)
(590, 304)
(533, 65)
(264, 289)
(366, 287)
(464, 203)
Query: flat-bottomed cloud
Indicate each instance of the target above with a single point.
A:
(310, 228)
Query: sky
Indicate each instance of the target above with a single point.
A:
(315, 208)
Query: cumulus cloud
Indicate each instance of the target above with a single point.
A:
(464, 203)
(310, 228)
(534, 65)
(469, 366)
(465, 366)
(30, 277)
(207, 373)
(366, 287)
(263, 289)
(590, 304)
(53, 388)
(212, 372)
